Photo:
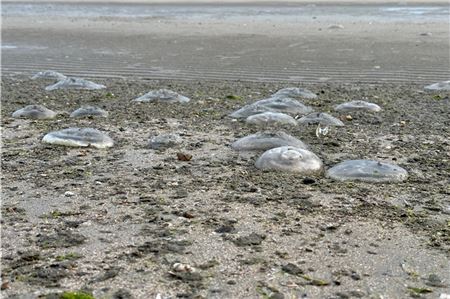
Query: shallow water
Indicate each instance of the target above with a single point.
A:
(262, 12)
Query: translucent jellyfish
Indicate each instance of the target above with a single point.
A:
(270, 119)
(262, 141)
(74, 83)
(289, 158)
(163, 96)
(34, 112)
(48, 75)
(321, 118)
(357, 106)
(367, 171)
(82, 137)
(295, 92)
(444, 85)
(275, 104)
(86, 111)
(165, 141)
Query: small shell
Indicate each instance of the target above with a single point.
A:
(179, 267)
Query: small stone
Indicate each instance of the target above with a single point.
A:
(69, 194)
(292, 269)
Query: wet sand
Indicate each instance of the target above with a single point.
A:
(329, 43)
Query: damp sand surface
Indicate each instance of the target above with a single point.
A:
(114, 221)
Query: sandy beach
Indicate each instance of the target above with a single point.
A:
(118, 222)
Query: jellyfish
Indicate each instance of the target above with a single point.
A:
(444, 85)
(321, 118)
(274, 104)
(34, 112)
(270, 119)
(262, 141)
(357, 106)
(367, 171)
(48, 75)
(290, 159)
(295, 92)
(74, 83)
(86, 111)
(81, 137)
(163, 96)
(165, 141)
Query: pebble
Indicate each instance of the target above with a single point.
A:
(82, 137)
(291, 159)
(69, 194)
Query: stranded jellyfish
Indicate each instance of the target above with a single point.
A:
(444, 85)
(74, 83)
(87, 111)
(270, 119)
(275, 104)
(79, 137)
(320, 118)
(48, 75)
(291, 159)
(163, 96)
(295, 92)
(357, 106)
(262, 141)
(367, 171)
(34, 112)
(165, 141)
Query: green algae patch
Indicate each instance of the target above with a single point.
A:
(76, 295)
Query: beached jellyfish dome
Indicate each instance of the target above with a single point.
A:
(321, 118)
(74, 83)
(48, 75)
(357, 106)
(291, 159)
(81, 137)
(165, 141)
(275, 104)
(295, 92)
(34, 112)
(367, 171)
(270, 119)
(262, 141)
(163, 96)
(444, 85)
(87, 111)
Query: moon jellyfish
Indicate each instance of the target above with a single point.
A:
(321, 118)
(163, 96)
(444, 85)
(86, 111)
(165, 141)
(82, 137)
(275, 104)
(367, 171)
(48, 75)
(270, 118)
(262, 141)
(75, 83)
(34, 112)
(295, 92)
(357, 106)
(291, 159)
